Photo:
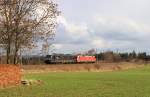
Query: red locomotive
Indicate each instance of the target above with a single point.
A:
(61, 58)
(86, 59)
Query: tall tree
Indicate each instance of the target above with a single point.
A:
(24, 22)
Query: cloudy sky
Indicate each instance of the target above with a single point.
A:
(103, 25)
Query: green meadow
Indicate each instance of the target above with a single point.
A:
(127, 83)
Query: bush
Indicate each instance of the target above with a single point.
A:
(9, 75)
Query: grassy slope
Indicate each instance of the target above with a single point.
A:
(130, 83)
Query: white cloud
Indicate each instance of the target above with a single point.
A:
(75, 30)
(115, 21)
(120, 25)
(98, 42)
(105, 32)
(105, 24)
(58, 46)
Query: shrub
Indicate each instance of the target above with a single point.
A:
(9, 75)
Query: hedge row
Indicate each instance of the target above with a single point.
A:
(9, 75)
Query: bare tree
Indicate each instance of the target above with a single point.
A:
(45, 49)
(25, 22)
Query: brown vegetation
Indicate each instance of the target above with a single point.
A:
(9, 75)
(92, 67)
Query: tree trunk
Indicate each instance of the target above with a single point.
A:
(16, 56)
(16, 50)
(8, 54)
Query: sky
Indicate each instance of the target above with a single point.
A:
(104, 25)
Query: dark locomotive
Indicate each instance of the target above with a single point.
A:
(67, 58)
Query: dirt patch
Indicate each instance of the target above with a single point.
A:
(93, 67)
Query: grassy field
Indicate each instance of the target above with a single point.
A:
(128, 83)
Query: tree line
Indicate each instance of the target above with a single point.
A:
(111, 56)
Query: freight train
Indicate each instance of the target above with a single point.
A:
(66, 59)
